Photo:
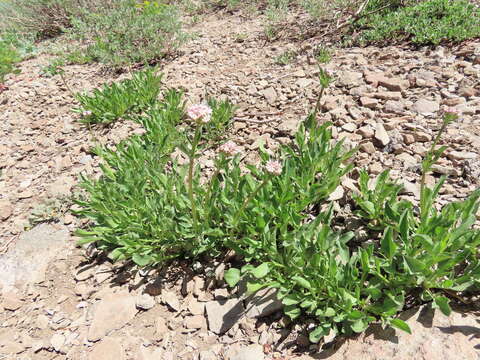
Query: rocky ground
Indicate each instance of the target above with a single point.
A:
(58, 305)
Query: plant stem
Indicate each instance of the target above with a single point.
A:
(195, 141)
(317, 105)
(429, 156)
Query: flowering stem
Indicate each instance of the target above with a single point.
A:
(247, 200)
(195, 141)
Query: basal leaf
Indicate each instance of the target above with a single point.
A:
(232, 277)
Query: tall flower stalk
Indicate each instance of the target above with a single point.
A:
(201, 114)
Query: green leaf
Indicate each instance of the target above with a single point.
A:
(260, 271)
(253, 287)
(302, 282)
(232, 277)
(290, 299)
(292, 311)
(317, 334)
(368, 207)
(141, 260)
(387, 244)
(401, 325)
(359, 326)
(441, 302)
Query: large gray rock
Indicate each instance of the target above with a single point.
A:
(434, 336)
(223, 314)
(28, 260)
(263, 303)
(112, 313)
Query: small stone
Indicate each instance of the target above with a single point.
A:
(349, 79)
(421, 136)
(195, 322)
(145, 302)
(269, 94)
(350, 127)
(467, 92)
(337, 194)
(444, 170)
(160, 328)
(411, 188)
(195, 307)
(85, 273)
(6, 209)
(462, 155)
(381, 134)
(367, 147)
(388, 95)
(222, 315)
(407, 159)
(408, 139)
(108, 349)
(11, 301)
(425, 107)
(252, 352)
(395, 107)
(376, 168)
(171, 299)
(368, 102)
(393, 84)
(366, 131)
(57, 341)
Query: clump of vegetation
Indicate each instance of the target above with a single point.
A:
(46, 18)
(118, 33)
(118, 100)
(427, 22)
(9, 56)
(130, 32)
(286, 57)
(151, 208)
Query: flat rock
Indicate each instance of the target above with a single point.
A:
(425, 107)
(11, 301)
(108, 349)
(6, 209)
(269, 94)
(222, 314)
(112, 313)
(434, 336)
(349, 79)
(28, 260)
(264, 302)
(252, 352)
(145, 302)
(381, 134)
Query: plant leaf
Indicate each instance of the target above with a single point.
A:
(232, 277)
(401, 325)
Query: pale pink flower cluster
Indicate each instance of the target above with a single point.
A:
(273, 167)
(229, 148)
(450, 110)
(86, 113)
(200, 113)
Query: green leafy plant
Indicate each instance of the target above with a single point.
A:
(53, 68)
(9, 56)
(45, 18)
(117, 100)
(130, 32)
(426, 22)
(286, 57)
